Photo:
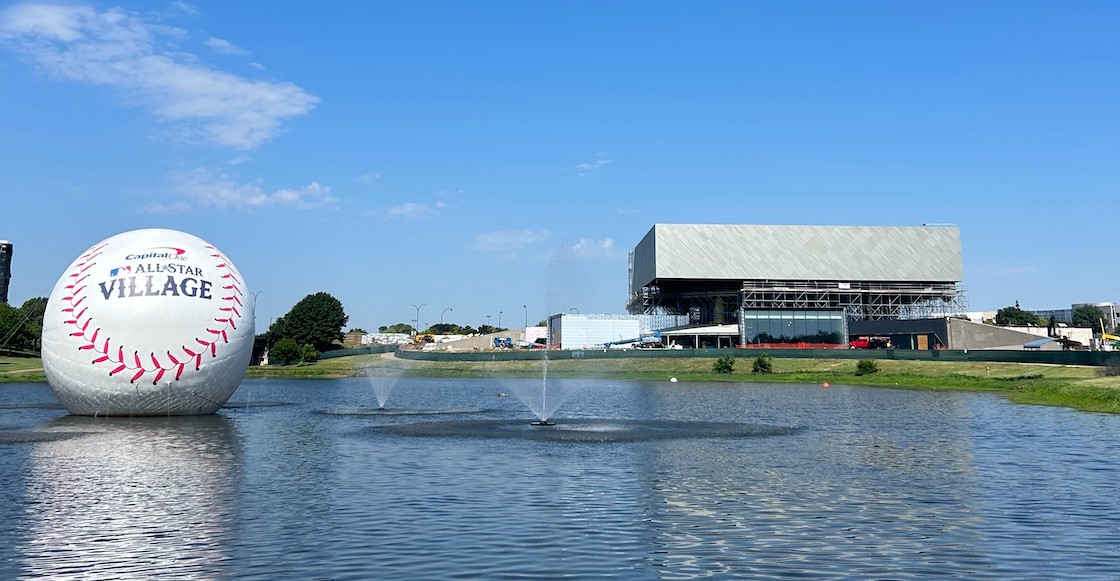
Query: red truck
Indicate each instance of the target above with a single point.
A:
(870, 343)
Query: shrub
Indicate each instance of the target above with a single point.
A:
(725, 364)
(867, 367)
(762, 364)
(284, 351)
(308, 354)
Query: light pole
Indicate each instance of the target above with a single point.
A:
(574, 310)
(488, 322)
(499, 319)
(444, 311)
(526, 307)
(255, 306)
(416, 321)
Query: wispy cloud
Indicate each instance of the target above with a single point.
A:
(202, 188)
(583, 168)
(143, 60)
(414, 211)
(224, 46)
(368, 178)
(184, 8)
(508, 240)
(588, 247)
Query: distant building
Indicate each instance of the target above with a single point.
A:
(598, 331)
(1109, 311)
(353, 339)
(796, 284)
(1060, 315)
(5, 269)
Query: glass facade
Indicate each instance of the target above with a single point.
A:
(793, 327)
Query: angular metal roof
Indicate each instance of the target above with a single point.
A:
(841, 253)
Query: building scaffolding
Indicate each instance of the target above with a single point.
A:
(718, 302)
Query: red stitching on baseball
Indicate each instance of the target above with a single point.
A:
(76, 297)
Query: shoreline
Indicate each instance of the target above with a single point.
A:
(1077, 387)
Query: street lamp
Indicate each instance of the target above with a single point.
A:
(255, 304)
(574, 310)
(487, 320)
(444, 311)
(526, 307)
(499, 319)
(416, 321)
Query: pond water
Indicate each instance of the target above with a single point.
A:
(637, 480)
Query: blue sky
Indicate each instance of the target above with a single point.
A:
(503, 157)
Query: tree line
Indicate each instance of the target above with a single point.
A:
(1083, 316)
(21, 328)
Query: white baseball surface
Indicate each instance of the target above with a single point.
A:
(148, 322)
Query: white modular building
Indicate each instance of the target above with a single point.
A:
(598, 331)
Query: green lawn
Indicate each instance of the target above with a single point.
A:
(1075, 387)
(21, 369)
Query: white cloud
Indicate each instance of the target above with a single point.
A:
(369, 178)
(203, 189)
(587, 247)
(583, 168)
(414, 211)
(224, 46)
(510, 239)
(184, 8)
(593, 165)
(120, 49)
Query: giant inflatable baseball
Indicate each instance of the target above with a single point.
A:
(148, 322)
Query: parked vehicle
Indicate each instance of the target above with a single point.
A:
(871, 343)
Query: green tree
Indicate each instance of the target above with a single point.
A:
(398, 328)
(867, 367)
(316, 320)
(285, 351)
(763, 364)
(449, 329)
(1016, 317)
(725, 364)
(1088, 316)
(21, 329)
(308, 354)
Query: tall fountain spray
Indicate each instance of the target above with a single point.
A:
(383, 379)
(545, 413)
(562, 270)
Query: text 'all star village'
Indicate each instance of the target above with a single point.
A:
(153, 280)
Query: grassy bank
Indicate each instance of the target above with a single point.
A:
(1074, 387)
(21, 369)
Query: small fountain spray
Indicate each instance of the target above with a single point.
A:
(544, 415)
(383, 380)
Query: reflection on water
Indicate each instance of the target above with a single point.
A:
(638, 480)
(130, 498)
